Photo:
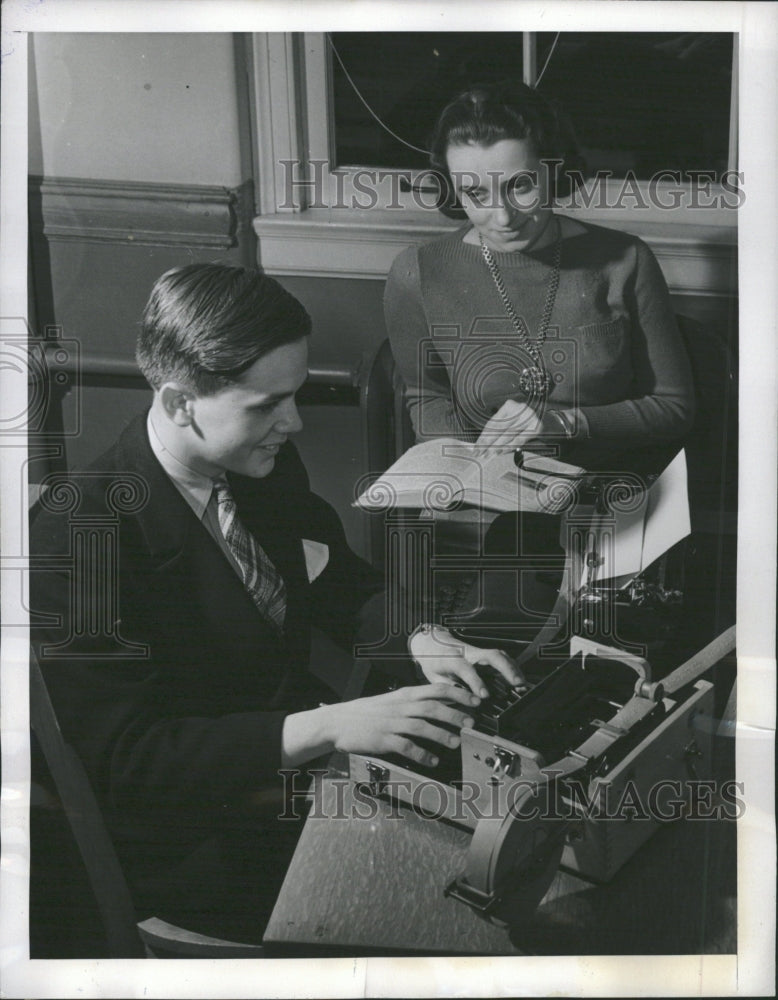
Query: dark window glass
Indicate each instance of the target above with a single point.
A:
(407, 77)
(644, 101)
(638, 101)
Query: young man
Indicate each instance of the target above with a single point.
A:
(179, 666)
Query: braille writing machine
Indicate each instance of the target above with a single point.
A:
(579, 765)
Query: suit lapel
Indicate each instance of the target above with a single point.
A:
(167, 521)
(181, 548)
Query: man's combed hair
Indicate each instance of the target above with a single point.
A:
(205, 324)
(486, 114)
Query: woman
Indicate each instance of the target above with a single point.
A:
(527, 328)
(526, 325)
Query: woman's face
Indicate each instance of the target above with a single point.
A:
(504, 191)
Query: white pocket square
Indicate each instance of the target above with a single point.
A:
(317, 555)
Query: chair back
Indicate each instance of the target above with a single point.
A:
(711, 446)
(86, 822)
(386, 429)
(387, 426)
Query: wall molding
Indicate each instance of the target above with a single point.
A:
(697, 259)
(137, 213)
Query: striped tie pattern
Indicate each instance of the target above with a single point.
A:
(260, 577)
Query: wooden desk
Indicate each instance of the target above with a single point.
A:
(359, 886)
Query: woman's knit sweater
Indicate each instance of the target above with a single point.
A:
(612, 348)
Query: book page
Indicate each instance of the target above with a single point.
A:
(531, 488)
(443, 473)
(434, 474)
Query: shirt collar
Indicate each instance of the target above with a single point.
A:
(193, 486)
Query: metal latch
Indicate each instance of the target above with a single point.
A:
(503, 761)
(691, 754)
(378, 777)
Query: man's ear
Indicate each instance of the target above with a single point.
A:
(178, 403)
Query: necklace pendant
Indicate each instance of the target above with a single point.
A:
(534, 381)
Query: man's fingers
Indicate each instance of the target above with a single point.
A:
(407, 748)
(440, 712)
(502, 664)
(435, 703)
(391, 722)
(469, 676)
(443, 692)
(424, 729)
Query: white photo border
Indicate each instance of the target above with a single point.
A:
(749, 973)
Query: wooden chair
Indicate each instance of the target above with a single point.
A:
(125, 937)
(711, 446)
(386, 429)
(386, 425)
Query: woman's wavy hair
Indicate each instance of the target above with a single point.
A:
(489, 112)
(205, 324)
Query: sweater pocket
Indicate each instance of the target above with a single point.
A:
(601, 364)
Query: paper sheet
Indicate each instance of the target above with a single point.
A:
(667, 517)
(630, 539)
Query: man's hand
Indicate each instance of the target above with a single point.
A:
(443, 658)
(386, 723)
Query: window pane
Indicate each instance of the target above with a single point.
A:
(638, 101)
(643, 101)
(407, 77)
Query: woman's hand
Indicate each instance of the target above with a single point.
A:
(512, 426)
(443, 658)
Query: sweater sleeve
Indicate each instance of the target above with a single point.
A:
(661, 406)
(427, 387)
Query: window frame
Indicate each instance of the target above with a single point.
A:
(306, 224)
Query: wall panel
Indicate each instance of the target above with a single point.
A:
(97, 247)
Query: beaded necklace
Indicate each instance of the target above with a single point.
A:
(534, 380)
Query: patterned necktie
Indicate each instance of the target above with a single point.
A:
(260, 577)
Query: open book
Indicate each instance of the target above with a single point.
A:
(446, 473)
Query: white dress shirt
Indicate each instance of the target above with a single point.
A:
(195, 488)
(199, 493)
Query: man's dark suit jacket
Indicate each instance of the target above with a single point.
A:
(175, 740)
